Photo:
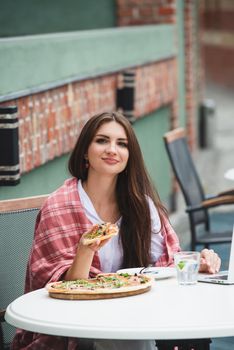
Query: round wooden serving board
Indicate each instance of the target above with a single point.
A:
(95, 296)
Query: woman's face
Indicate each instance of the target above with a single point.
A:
(108, 152)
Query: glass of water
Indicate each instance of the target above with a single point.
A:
(187, 266)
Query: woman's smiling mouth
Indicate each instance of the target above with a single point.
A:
(110, 160)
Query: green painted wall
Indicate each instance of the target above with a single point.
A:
(45, 61)
(181, 62)
(24, 17)
(42, 180)
(150, 131)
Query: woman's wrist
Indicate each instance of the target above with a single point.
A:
(81, 263)
(85, 249)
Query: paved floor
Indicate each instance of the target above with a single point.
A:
(213, 161)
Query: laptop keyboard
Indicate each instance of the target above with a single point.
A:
(221, 277)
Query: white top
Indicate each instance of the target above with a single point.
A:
(111, 254)
(167, 311)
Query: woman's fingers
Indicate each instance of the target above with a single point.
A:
(98, 244)
(210, 261)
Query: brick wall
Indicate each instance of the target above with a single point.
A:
(137, 12)
(50, 121)
(191, 70)
(156, 86)
(218, 41)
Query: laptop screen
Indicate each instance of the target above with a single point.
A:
(231, 261)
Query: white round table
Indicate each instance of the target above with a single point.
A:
(168, 311)
(229, 174)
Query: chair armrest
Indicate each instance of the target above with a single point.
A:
(221, 194)
(227, 193)
(212, 201)
(2, 314)
(218, 200)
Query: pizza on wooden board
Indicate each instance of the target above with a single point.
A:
(109, 285)
(100, 232)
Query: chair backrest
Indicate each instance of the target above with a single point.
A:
(185, 172)
(17, 221)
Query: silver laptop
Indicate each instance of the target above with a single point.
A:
(222, 277)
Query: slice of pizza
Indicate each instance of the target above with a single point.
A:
(100, 232)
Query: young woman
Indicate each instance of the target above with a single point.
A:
(109, 184)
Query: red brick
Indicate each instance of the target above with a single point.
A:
(146, 11)
(166, 11)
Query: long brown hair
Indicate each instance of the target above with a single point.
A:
(133, 187)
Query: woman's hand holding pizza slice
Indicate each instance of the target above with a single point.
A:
(99, 235)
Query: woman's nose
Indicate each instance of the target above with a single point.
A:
(111, 148)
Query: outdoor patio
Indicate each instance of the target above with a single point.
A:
(212, 163)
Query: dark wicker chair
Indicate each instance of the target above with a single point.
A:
(17, 220)
(198, 204)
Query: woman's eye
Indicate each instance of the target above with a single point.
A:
(123, 144)
(104, 141)
(101, 140)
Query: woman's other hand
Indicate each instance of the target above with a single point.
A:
(210, 262)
